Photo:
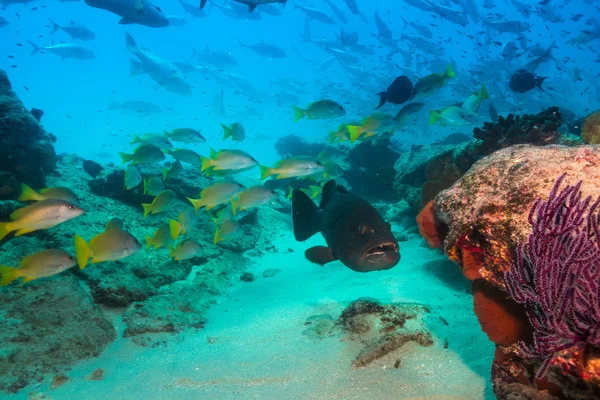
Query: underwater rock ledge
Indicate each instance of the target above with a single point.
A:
(26, 149)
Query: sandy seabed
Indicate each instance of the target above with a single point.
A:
(253, 347)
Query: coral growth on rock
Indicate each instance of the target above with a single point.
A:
(26, 149)
(590, 130)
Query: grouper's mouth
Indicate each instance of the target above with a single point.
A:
(380, 256)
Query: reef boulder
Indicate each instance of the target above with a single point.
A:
(590, 130)
(26, 149)
(46, 326)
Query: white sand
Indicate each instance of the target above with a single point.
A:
(258, 350)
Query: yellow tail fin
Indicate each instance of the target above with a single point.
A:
(83, 251)
(234, 206)
(298, 113)
(165, 174)
(217, 238)
(147, 209)
(332, 136)
(9, 274)
(265, 172)
(148, 241)
(206, 163)
(136, 139)
(433, 117)
(484, 93)
(174, 228)
(5, 229)
(125, 157)
(449, 72)
(171, 252)
(226, 131)
(28, 194)
(355, 132)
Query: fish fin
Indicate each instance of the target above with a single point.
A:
(383, 96)
(35, 49)
(332, 136)
(82, 250)
(174, 228)
(354, 131)
(316, 190)
(28, 194)
(197, 203)
(329, 189)
(165, 173)
(217, 238)
(5, 229)
(265, 172)
(147, 209)
(320, 255)
(305, 216)
(24, 231)
(125, 157)
(136, 139)
(298, 113)
(148, 241)
(289, 195)
(449, 72)
(484, 93)
(433, 117)
(145, 186)
(205, 163)
(114, 223)
(135, 68)
(227, 131)
(234, 205)
(242, 45)
(251, 7)
(539, 80)
(96, 260)
(9, 274)
(55, 27)
(203, 4)
(213, 153)
(171, 252)
(125, 21)
(28, 279)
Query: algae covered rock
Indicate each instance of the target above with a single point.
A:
(26, 149)
(45, 326)
(590, 130)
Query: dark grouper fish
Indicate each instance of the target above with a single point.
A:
(354, 231)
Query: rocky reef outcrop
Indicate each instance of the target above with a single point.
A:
(481, 222)
(590, 130)
(424, 171)
(26, 149)
(46, 326)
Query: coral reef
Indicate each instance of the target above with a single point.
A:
(483, 219)
(26, 149)
(424, 171)
(46, 326)
(590, 130)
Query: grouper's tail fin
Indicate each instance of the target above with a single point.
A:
(305, 215)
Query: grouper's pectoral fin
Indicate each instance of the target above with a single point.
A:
(319, 255)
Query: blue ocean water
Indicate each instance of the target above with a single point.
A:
(351, 65)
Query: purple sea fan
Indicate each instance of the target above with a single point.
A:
(557, 274)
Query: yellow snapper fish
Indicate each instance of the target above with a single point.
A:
(374, 124)
(156, 139)
(292, 167)
(255, 196)
(471, 105)
(216, 194)
(111, 245)
(171, 172)
(228, 162)
(144, 154)
(185, 135)
(39, 265)
(341, 134)
(234, 131)
(153, 186)
(185, 222)
(228, 229)
(224, 214)
(162, 202)
(185, 156)
(132, 177)
(43, 214)
(407, 113)
(313, 191)
(452, 116)
(332, 170)
(161, 237)
(322, 109)
(57, 193)
(432, 83)
(185, 250)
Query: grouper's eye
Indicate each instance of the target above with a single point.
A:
(365, 229)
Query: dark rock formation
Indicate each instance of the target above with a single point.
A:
(425, 171)
(92, 168)
(45, 326)
(26, 149)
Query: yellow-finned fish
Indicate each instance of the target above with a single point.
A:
(185, 156)
(185, 135)
(144, 154)
(471, 105)
(255, 196)
(174, 170)
(153, 138)
(43, 214)
(374, 124)
(216, 194)
(132, 177)
(292, 167)
(322, 109)
(453, 116)
(185, 250)
(227, 230)
(161, 237)
(162, 202)
(57, 193)
(44, 263)
(235, 131)
(113, 244)
(186, 220)
(153, 186)
(227, 162)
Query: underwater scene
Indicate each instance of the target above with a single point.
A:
(299, 199)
